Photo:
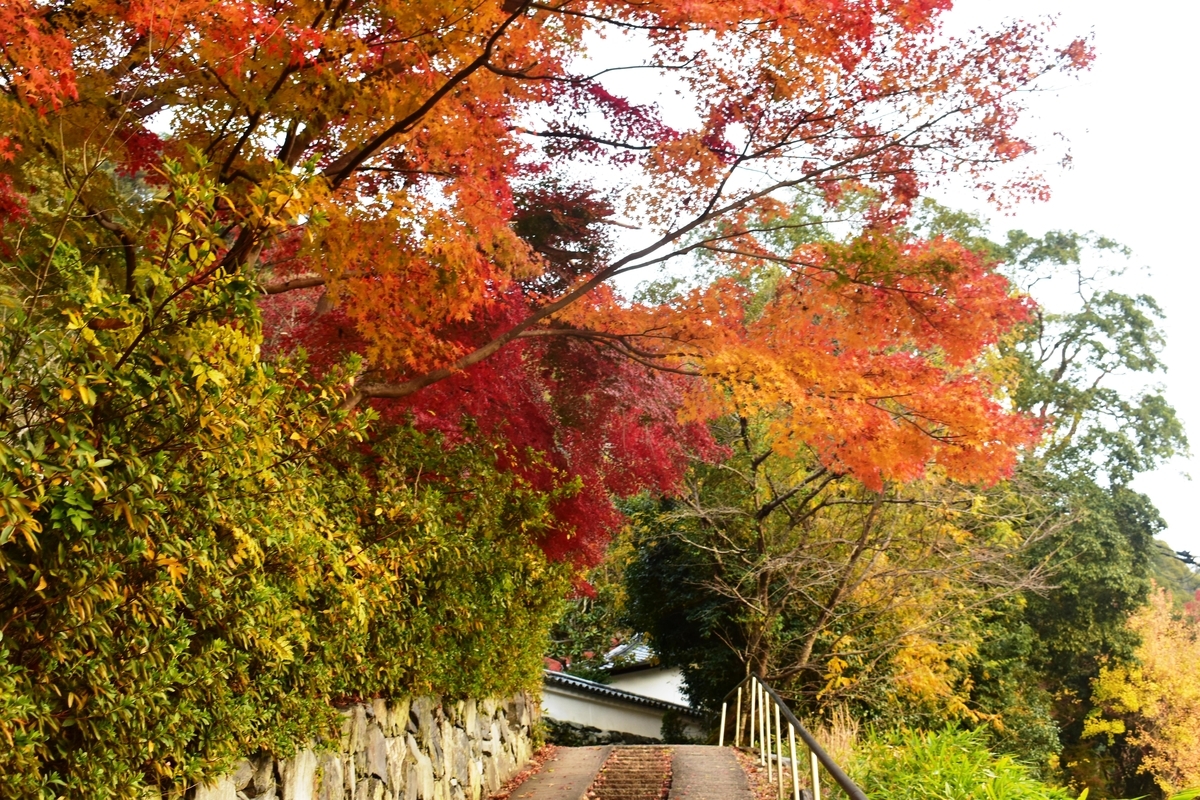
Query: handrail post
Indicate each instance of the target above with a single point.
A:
(767, 741)
(759, 728)
(779, 751)
(721, 735)
(751, 720)
(754, 723)
(737, 721)
(795, 772)
(762, 724)
(816, 765)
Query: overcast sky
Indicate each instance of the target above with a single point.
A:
(1135, 176)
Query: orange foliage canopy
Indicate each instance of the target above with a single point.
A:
(408, 141)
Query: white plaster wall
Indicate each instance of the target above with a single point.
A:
(658, 682)
(599, 713)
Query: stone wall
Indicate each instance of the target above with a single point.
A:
(423, 749)
(574, 734)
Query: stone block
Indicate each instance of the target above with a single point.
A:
(514, 710)
(298, 776)
(398, 717)
(220, 789)
(381, 713)
(438, 759)
(526, 719)
(491, 776)
(421, 713)
(347, 727)
(504, 765)
(470, 721)
(398, 760)
(410, 782)
(333, 782)
(376, 753)
(372, 789)
(242, 774)
(263, 779)
(461, 755)
(358, 739)
(474, 779)
(351, 775)
(443, 750)
(424, 767)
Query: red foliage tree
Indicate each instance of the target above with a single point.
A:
(394, 162)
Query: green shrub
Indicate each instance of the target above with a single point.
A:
(198, 551)
(949, 764)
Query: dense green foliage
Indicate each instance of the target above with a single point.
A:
(1019, 667)
(1007, 689)
(691, 626)
(1172, 574)
(873, 599)
(594, 618)
(1099, 547)
(200, 550)
(948, 764)
(1102, 549)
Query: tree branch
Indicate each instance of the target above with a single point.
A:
(344, 166)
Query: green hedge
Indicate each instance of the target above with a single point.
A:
(200, 553)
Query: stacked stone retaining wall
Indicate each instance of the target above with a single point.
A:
(423, 749)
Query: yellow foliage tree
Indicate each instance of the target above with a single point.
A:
(1156, 701)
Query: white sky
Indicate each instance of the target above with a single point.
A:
(1131, 126)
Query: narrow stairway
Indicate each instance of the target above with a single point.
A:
(638, 772)
(634, 773)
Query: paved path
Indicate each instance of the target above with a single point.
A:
(707, 773)
(565, 777)
(697, 773)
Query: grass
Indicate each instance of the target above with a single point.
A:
(948, 764)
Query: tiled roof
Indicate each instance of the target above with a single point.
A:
(591, 687)
(635, 652)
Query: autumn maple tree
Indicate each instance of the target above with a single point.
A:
(303, 300)
(397, 180)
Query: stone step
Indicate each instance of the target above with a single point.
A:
(634, 773)
(638, 772)
(707, 773)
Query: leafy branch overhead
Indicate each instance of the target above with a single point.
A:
(429, 130)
